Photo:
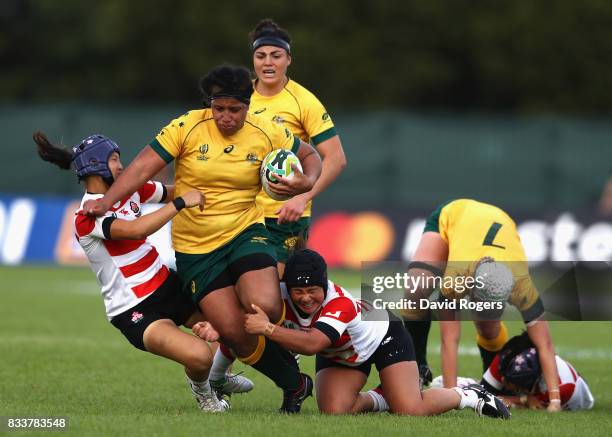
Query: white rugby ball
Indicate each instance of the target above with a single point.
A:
(497, 279)
(277, 162)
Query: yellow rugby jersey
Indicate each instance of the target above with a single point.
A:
(226, 169)
(302, 113)
(474, 230)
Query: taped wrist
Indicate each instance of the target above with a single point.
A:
(178, 203)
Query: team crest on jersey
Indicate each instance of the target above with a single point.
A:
(278, 119)
(193, 287)
(203, 149)
(136, 317)
(259, 111)
(290, 243)
(229, 148)
(252, 158)
(135, 209)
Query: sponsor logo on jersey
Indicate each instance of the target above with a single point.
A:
(136, 317)
(325, 116)
(278, 119)
(124, 212)
(252, 158)
(287, 132)
(259, 111)
(259, 240)
(203, 149)
(193, 287)
(335, 314)
(135, 209)
(386, 340)
(229, 148)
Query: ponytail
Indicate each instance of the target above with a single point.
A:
(59, 156)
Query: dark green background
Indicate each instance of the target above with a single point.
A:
(505, 101)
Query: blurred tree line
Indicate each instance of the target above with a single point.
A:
(519, 56)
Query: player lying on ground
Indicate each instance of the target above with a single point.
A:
(460, 237)
(348, 336)
(142, 296)
(515, 374)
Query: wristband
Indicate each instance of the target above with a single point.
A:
(270, 327)
(178, 203)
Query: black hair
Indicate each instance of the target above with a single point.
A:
(268, 28)
(229, 81)
(58, 155)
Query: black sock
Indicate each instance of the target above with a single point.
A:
(487, 357)
(288, 356)
(275, 365)
(419, 331)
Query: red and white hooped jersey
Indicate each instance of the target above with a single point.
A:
(574, 391)
(360, 327)
(127, 270)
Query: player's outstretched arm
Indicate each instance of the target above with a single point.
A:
(148, 224)
(539, 333)
(302, 342)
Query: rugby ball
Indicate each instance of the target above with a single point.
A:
(497, 279)
(277, 162)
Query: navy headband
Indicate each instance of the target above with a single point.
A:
(271, 41)
(224, 95)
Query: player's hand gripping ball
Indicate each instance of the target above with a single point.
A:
(278, 162)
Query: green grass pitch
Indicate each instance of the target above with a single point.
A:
(60, 357)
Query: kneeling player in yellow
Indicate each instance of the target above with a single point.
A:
(223, 256)
(459, 236)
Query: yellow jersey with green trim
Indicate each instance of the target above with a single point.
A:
(474, 230)
(302, 113)
(225, 169)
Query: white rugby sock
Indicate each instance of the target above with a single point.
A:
(200, 387)
(468, 398)
(221, 363)
(380, 404)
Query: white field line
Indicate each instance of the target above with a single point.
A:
(433, 348)
(52, 340)
(562, 351)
